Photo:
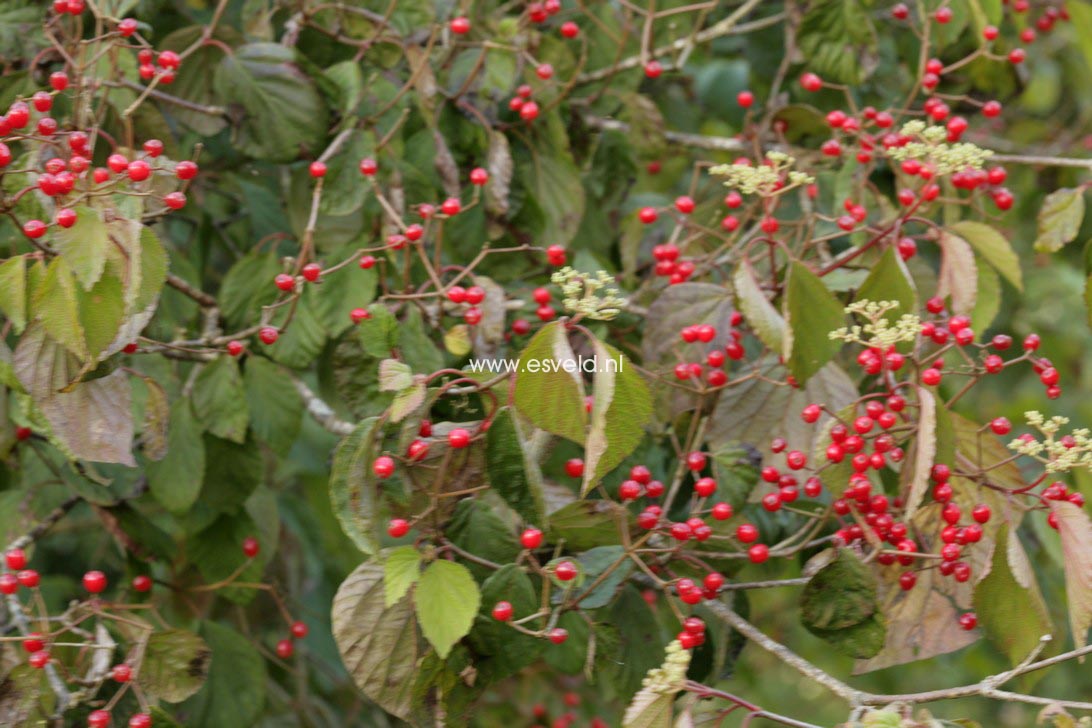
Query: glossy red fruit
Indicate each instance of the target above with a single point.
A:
(251, 547)
(140, 720)
(284, 282)
(299, 630)
(458, 438)
(268, 335)
(142, 583)
(234, 348)
(16, 559)
(94, 582)
(127, 27)
(968, 621)
(29, 578)
(34, 229)
(34, 642)
(747, 533)
(368, 167)
(696, 461)
(558, 635)
(311, 272)
(174, 200)
(98, 719)
(758, 553)
(531, 538)
(39, 659)
(502, 611)
(185, 170)
(570, 29)
(398, 527)
(565, 571)
(139, 170)
(460, 25)
(811, 82)
(122, 673)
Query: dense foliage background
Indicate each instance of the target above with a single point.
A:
(164, 400)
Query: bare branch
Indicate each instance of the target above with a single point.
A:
(322, 412)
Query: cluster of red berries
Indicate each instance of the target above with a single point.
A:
(566, 719)
(523, 104)
(539, 12)
(1059, 491)
(1044, 23)
(544, 311)
(66, 178)
(101, 719)
(716, 357)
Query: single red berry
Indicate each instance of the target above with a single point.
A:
(528, 111)
(142, 583)
(575, 468)
(968, 621)
(34, 642)
(284, 282)
(268, 335)
(558, 635)
(185, 170)
(684, 204)
(311, 272)
(122, 673)
(570, 29)
(758, 553)
(653, 69)
(531, 538)
(811, 82)
(460, 25)
(696, 461)
(1017, 56)
(29, 578)
(34, 229)
(94, 582)
(285, 648)
(16, 559)
(317, 169)
(544, 71)
(458, 438)
(8, 584)
(140, 720)
(39, 659)
(565, 571)
(398, 527)
(368, 167)
(747, 533)
(745, 99)
(299, 630)
(478, 176)
(251, 547)
(502, 611)
(647, 215)
(943, 15)
(900, 11)
(139, 170)
(127, 27)
(174, 200)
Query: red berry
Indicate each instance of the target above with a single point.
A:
(94, 582)
(16, 559)
(570, 29)
(565, 571)
(174, 200)
(747, 533)
(1017, 56)
(460, 25)
(968, 621)
(398, 527)
(140, 720)
(558, 635)
(943, 15)
(284, 282)
(28, 578)
(811, 82)
(127, 27)
(142, 583)
(458, 438)
(502, 611)
(268, 335)
(531, 538)
(478, 176)
(39, 659)
(139, 170)
(317, 169)
(684, 204)
(653, 69)
(758, 553)
(311, 272)
(122, 673)
(284, 649)
(368, 167)
(745, 99)
(34, 229)
(184, 170)
(251, 547)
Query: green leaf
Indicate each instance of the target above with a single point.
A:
(232, 472)
(506, 650)
(352, 490)
(545, 393)
(91, 420)
(378, 334)
(758, 312)
(217, 553)
(993, 247)
(1060, 219)
(277, 109)
(276, 408)
(840, 595)
(862, 641)
(1008, 603)
(247, 286)
(55, 305)
(685, 304)
(593, 564)
(235, 691)
(736, 473)
(401, 570)
(378, 644)
(302, 340)
(339, 293)
(811, 312)
(175, 665)
(988, 303)
(84, 245)
(394, 376)
(344, 188)
(916, 479)
(513, 475)
(838, 40)
(219, 399)
(585, 524)
(621, 408)
(478, 528)
(548, 176)
(571, 656)
(447, 598)
(154, 432)
(101, 310)
(175, 480)
(1075, 530)
(958, 276)
(13, 291)
(418, 347)
(889, 280)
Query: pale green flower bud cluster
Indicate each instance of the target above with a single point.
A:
(879, 332)
(1058, 454)
(592, 296)
(763, 178)
(932, 148)
(669, 677)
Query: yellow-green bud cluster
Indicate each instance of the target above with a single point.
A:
(878, 332)
(590, 295)
(669, 677)
(763, 178)
(1058, 454)
(930, 146)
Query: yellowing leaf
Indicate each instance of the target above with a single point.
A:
(549, 390)
(916, 476)
(447, 598)
(757, 310)
(993, 247)
(1060, 219)
(1076, 532)
(958, 273)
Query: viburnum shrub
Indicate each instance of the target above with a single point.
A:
(530, 361)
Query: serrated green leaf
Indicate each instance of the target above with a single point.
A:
(302, 340)
(1010, 608)
(278, 108)
(13, 291)
(811, 312)
(55, 305)
(1060, 219)
(401, 570)
(378, 644)
(514, 476)
(175, 481)
(585, 524)
(175, 665)
(275, 407)
(84, 246)
(247, 286)
(219, 399)
(758, 312)
(235, 691)
(394, 375)
(378, 334)
(621, 407)
(446, 599)
(838, 40)
(545, 393)
(352, 487)
(889, 280)
(840, 595)
(994, 249)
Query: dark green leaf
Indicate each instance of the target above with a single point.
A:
(507, 651)
(513, 475)
(175, 481)
(812, 312)
(352, 485)
(234, 693)
(84, 245)
(838, 40)
(585, 524)
(175, 665)
(840, 595)
(889, 280)
(219, 399)
(546, 394)
(275, 406)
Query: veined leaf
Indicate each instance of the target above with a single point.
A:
(811, 312)
(13, 291)
(916, 477)
(549, 390)
(767, 323)
(1076, 533)
(352, 486)
(401, 570)
(958, 273)
(1060, 219)
(993, 247)
(219, 399)
(447, 598)
(513, 475)
(84, 245)
(889, 280)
